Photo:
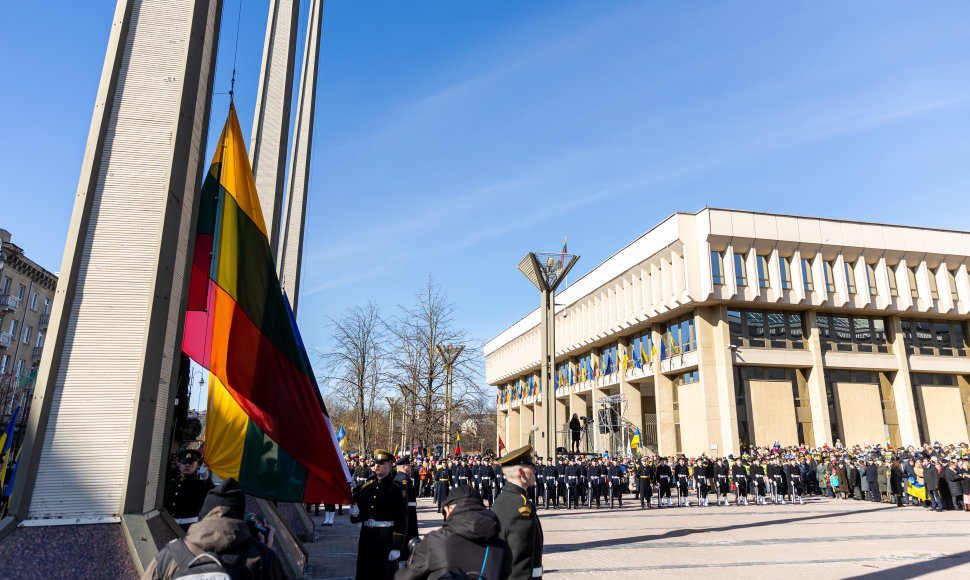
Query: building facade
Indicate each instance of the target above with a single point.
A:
(723, 329)
(26, 295)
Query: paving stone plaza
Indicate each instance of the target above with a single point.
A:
(822, 539)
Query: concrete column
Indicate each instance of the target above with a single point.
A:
(903, 386)
(271, 122)
(634, 405)
(717, 377)
(664, 387)
(515, 428)
(821, 422)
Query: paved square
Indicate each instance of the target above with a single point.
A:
(822, 539)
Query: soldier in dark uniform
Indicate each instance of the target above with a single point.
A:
(593, 473)
(381, 506)
(721, 472)
(644, 483)
(403, 475)
(540, 490)
(740, 477)
(682, 473)
(794, 476)
(520, 527)
(486, 481)
(185, 493)
(361, 473)
(463, 473)
(664, 478)
(572, 485)
(776, 475)
(443, 481)
(616, 484)
(499, 481)
(758, 482)
(551, 477)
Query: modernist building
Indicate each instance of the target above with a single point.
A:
(26, 295)
(723, 328)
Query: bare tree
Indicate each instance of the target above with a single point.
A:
(418, 370)
(355, 364)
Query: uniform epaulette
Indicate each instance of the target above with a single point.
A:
(399, 482)
(370, 481)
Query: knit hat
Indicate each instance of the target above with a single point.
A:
(226, 494)
(462, 493)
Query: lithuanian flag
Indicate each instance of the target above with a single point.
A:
(267, 425)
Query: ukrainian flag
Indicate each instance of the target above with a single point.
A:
(916, 489)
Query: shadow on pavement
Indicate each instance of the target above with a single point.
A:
(556, 548)
(917, 568)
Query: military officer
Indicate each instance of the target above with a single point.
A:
(740, 476)
(664, 479)
(519, 522)
(486, 481)
(682, 472)
(403, 475)
(443, 479)
(381, 505)
(186, 493)
(644, 482)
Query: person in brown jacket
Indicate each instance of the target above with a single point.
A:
(222, 531)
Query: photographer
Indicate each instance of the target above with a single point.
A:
(575, 427)
(240, 548)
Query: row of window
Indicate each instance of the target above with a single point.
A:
(5, 364)
(34, 298)
(759, 326)
(943, 337)
(828, 271)
(28, 332)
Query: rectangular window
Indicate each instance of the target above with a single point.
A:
(840, 329)
(27, 330)
(21, 292)
(755, 324)
(47, 306)
(861, 331)
(717, 268)
(952, 279)
(20, 367)
(850, 278)
(941, 332)
(824, 330)
(14, 325)
(957, 329)
(4, 361)
(829, 276)
(871, 278)
(795, 326)
(33, 301)
(6, 286)
(776, 325)
(934, 290)
(785, 268)
(893, 288)
(763, 271)
(807, 275)
(739, 274)
(913, 289)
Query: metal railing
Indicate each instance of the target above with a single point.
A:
(9, 302)
(6, 339)
(37, 352)
(44, 320)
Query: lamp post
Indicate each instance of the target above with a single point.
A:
(449, 354)
(546, 271)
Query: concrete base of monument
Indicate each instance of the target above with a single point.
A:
(66, 551)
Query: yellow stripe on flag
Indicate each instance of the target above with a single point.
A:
(225, 436)
(237, 176)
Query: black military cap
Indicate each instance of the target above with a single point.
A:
(406, 460)
(383, 455)
(520, 456)
(189, 454)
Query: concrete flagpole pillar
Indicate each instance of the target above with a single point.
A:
(95, 455)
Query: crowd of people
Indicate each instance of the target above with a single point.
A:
(933, 476)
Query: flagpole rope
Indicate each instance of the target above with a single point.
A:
(235, 55)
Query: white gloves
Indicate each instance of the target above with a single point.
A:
(354, 511)
(393, 555)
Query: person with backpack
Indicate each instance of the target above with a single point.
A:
(467, 545)
(221, 546)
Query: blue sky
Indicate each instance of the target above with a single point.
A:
(452, 137)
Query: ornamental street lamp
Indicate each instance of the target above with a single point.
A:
(546, 271)
(449, 354)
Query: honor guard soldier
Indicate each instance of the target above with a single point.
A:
(721, 472)
(463, 473)
(681, 473)
(361, 474)
(572, 485)
(403, 475)
(487, 481)
(644, 483)
(443, 480)
(740, 476)
(616, 484)
(519, 522)
(539, 491)
(758, 483)
(552, 474)
(664, 478)
(381, 506)
(185, 494)
(794, 476)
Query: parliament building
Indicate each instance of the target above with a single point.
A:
(724, 329)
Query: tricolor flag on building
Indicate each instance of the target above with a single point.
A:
(266, 423)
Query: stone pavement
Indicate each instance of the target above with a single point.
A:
(822, 539)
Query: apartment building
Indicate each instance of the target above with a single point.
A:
(26, 297)
(722, 329)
